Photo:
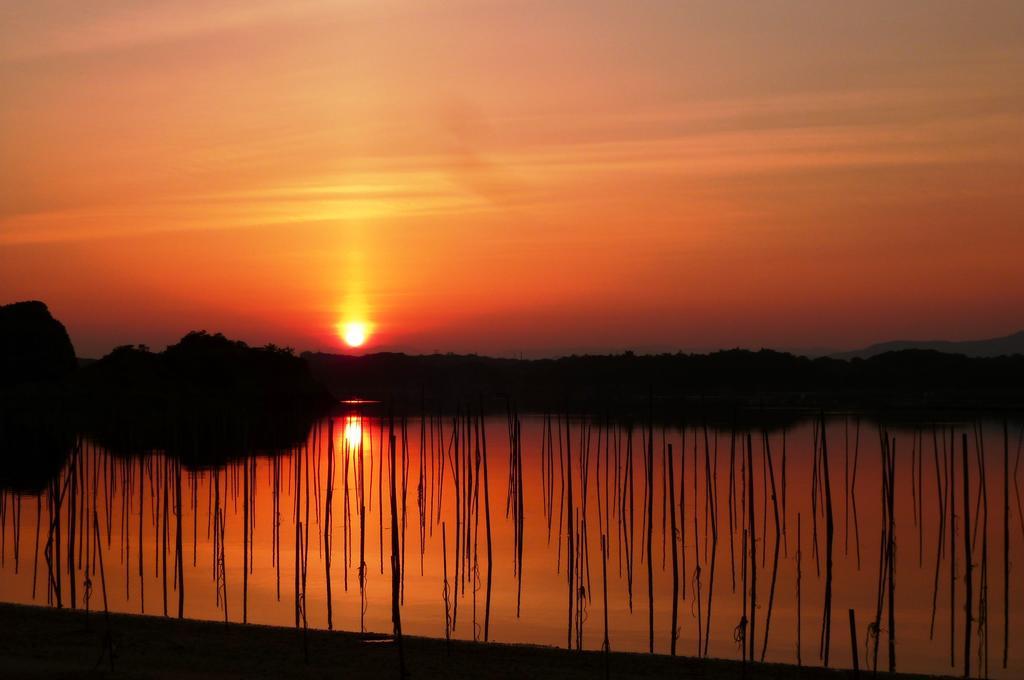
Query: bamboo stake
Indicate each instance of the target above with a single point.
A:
(178, 541)
(606, 645)
(799, 571)
(1006, 541)
(941, 539)
(968, 577)
(829, 530)
(853, 645)
(108, 637)
(396, 566)
(245, 541)
(328, 521)
(775, 557)
(487, 517)
(711, 483)
(675, 555)
(752, 553)
(650, 519)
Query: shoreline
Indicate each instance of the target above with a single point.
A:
(49, 642)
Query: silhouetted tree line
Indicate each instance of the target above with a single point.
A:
(206, 399)
(722, 381)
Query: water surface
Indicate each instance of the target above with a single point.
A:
(318, 547)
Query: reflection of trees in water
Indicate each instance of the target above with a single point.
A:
(32, 454)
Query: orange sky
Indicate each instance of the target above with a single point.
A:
(501, 177)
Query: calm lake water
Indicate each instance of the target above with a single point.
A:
(555, 491)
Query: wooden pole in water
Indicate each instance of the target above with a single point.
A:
(950, 479)
(829, 529)
(629, 535)
(650, 531)
(487, 518)
(380, 504)
(983, 627)
(1006, 540)
(328, 503)
(968, 584)
(696, 547)
(775, 557)
(222, 560)
(361, 470)
(711, 489)
(846, 485)
(682, 507)
(3, 527)
(404, 468)
(71, 528)
(245, 541)
(163, 534)
(570, 530)
(456, 467)
(891, 559)
(920, 498)
(298, 534)
(276, 538)
(396, 566)
(675, 553)
(799, 558)
(178, 542)
(445, 588)
(785, 538)
(423, 492)
(853, 645)
(853, 491)
(195, 519)
(305, 536)
(142, 514)
(108, 638)
(941, 539)
(664, 494)
(740, 634)
(1016, 485)
(300, 596)
(520, 517)
(606, 645)
(731, 502)
(875, 629)
(752, 553)
(35, 561)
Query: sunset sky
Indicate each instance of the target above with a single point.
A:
(514, 177)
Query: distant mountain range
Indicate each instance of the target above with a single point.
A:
(992, 347)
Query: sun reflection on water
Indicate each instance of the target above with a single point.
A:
(353, 432)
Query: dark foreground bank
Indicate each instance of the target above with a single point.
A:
(46, 642)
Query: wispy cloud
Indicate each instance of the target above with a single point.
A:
(56, 28)
(599, 159)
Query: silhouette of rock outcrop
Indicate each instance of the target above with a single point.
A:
(33, 345)
(36, 359)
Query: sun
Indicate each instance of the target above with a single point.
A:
(354, 333)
